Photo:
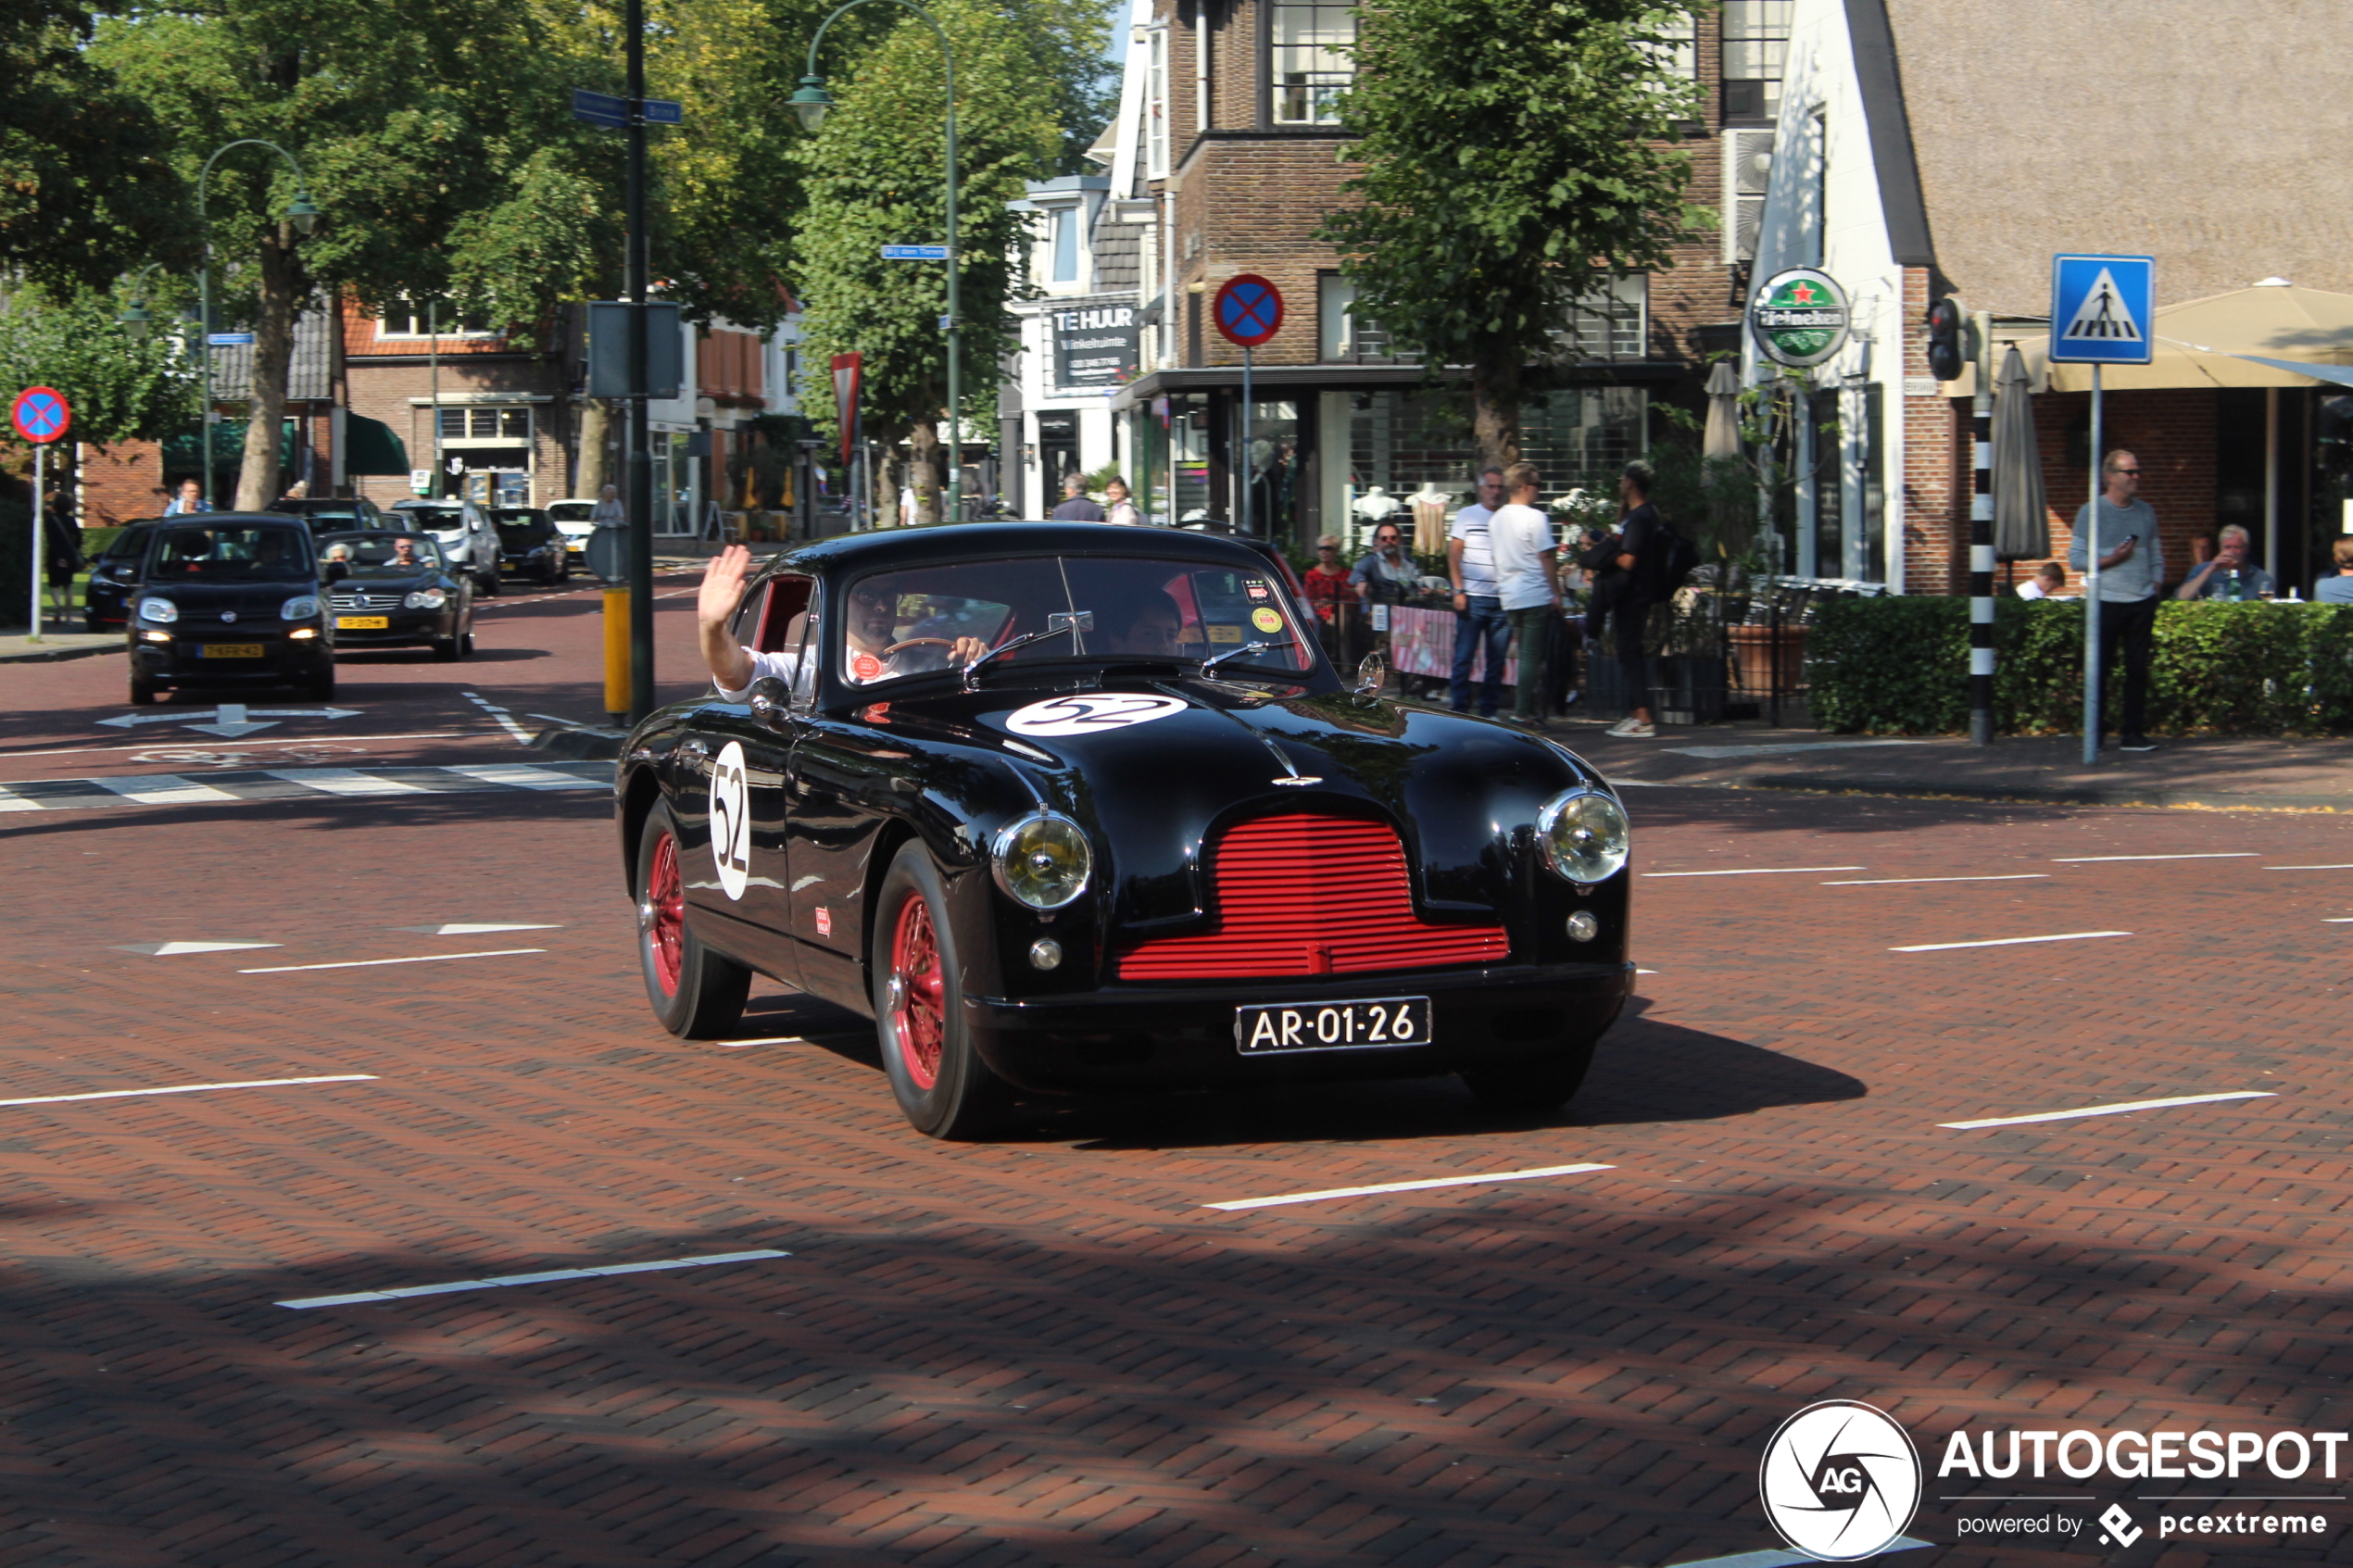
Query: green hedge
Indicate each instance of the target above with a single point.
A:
(1900, 666)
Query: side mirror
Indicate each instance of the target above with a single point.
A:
(771, 700)
(1372, 676)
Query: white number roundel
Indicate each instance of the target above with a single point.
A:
(1091, 715)
(731, 820)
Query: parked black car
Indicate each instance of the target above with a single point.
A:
(114, 576)
(530, 546)
(329, 514)
(230, 599)
(389, 589)
(1150, 840)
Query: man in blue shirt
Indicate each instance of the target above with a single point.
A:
(2228, 575)
(2338, 590)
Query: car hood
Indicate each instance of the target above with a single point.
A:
(200, 602)
(1153, 767)
(387, 583)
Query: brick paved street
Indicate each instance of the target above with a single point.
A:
(1046, 1351)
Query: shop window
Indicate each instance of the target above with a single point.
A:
(1311, 66)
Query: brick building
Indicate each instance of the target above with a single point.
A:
(1929, 149)
(1223, 155)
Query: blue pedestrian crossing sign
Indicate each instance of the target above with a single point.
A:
(2102, 309)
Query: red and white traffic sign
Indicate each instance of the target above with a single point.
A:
(1249, 310)
(41, 414)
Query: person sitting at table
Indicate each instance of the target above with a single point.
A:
(2337, 589)
(2228, 575)
(2048, 578)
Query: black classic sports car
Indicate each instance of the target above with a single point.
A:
(388, 589)
(1145, 838)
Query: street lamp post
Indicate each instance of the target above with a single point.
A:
(811, 101)
(299, 212)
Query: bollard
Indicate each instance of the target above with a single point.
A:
(617, 656)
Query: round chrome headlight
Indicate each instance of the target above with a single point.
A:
(300, 608)
(162, 611)
(1585, 836)
(1043, 860)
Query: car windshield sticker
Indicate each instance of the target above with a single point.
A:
(865, 667)
(1087, 715)
(730, 821)
(1266, 619)
(1257, 590)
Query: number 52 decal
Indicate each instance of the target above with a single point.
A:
(731, 820)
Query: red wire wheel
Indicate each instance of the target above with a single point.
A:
(918, 1022)
(663, 915)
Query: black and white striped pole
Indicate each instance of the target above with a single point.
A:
(1981, 548)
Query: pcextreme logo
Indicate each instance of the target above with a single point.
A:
(1841, 1481)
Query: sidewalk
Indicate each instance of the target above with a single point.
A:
(16, 648)
(2215, 773)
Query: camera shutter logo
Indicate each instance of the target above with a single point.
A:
(1841, 1481)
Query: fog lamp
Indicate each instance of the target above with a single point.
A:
(1583, 927)
(1045, 953)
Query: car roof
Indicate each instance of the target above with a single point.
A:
(930, 544)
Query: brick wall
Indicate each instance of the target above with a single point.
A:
(122, 481)
(382, 390)
(1936, 475)
(2172, 434)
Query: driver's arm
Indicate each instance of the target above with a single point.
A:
(723, 590)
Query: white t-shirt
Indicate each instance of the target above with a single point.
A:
(2032, 589)
(1478, 556)
(1521, 537)
(861, 668)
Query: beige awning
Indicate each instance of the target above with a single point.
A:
(2195, 339)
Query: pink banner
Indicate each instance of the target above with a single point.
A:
(1421, 642)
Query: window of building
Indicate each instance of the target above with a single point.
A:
(1608, 323)
(1344, 334)
(503, 425)
(1065, 266)
(1156, 105)
(1311, 69)
(1680, 55)
(403, 317)
(1756, 50)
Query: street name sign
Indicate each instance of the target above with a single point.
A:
(2102, 308)
(600, 109)
(664, 111)
(914, 253)
(1800, 317)
(1249, 310)
(229, 340)
(42, 415)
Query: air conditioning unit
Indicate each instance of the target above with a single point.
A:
(1748, 169)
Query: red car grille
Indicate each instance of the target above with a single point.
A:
(1307, 895)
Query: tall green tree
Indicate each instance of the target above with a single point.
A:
(1508, 150)
(876, 176)
(122, 387)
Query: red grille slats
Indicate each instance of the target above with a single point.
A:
(1300, 894)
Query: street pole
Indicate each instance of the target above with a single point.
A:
(641, 473)
(39, 536)
(438, 486)
(1981, 549)
(1241, 455)
(2092, 592)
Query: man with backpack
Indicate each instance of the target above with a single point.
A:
(1655, 560)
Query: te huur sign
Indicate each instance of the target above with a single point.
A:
(1094, 346)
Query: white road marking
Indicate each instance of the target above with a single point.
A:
(1763, 870)
(472, 928)
(148, 745)
(2009, 941)
(1894, 881)
(2344, 867)
(520, 774)
(770, 1040)
(2336, 920)
(173, 949)
(373, 963)
(1646, 971)
(1537, 1174)
(344, 781)
(503, 715)
(2209, 855)
(2117, 1109)
(500, 1282)
(16, 803)
(194, 1088)
(162, 789)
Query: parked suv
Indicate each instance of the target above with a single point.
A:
(469, 540)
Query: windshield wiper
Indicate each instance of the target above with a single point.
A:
(1209, 664)
(1058, 622)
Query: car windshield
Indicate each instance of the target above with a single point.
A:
(231, 552)
(519, 530)
(907, 622)
(433, 517)
(379, 553)
(571, 511)
(328, 518)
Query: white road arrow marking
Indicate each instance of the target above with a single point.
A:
(173, 949)
(474, 928)
(230, 719)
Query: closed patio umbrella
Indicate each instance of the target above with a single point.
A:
(1723, 439)
(2021, 524)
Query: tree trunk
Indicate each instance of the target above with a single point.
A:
(596, 439)
(925, 470)
(272, 356)
(1495, 407)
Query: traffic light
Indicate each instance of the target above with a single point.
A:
(1946, 354)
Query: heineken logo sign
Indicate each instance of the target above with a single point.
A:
(1799, 317)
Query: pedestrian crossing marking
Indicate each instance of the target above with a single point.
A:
(315, 785)
(2104, 317)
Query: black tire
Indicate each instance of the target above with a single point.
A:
(466, 646)
(486, 587)
(143, 692)
(1531, 1088)
(696, 993)
(322, 687)
(445, 648)
(941, 1084)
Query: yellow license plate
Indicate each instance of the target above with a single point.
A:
(1224, 633)
(230, 650)
(362, 622)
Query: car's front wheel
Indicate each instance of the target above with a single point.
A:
(939, 1079)
(695, 991)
